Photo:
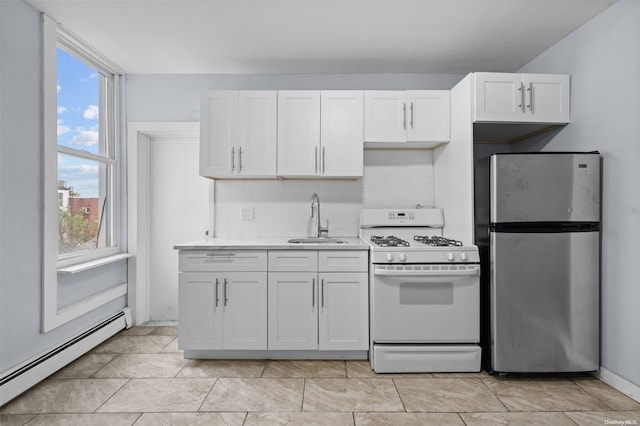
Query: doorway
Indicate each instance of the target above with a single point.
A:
(178, 212)
(167, 203)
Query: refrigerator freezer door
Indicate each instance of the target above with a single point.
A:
(544, 291)
(553, 187)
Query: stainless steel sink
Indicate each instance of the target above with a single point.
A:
(316, 240)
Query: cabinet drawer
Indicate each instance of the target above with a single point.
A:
(343, 260)
(293, 260)
(222, 260)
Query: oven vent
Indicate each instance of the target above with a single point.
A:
(28, 374)
(430, 268)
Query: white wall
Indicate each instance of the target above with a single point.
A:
(282, 208)
(177, 97)
(21, 197)
(603, 58)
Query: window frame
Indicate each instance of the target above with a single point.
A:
(53, 315)
(109, 126)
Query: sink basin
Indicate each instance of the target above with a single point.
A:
(315, 240)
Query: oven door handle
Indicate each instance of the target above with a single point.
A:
(426, 273)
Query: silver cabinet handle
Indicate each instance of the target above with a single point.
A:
(322, 291)
(530, 90)
(214, 254)
(239, 159)
(226, 299)
(316, 155)
(323, 157)
(404, 116)
(313, 292)
(521, 89)
(411, 122)
(217, 298)
(233, 158)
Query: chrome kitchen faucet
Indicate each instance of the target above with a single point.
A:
(318, 229)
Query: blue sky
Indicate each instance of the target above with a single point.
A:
(78, 100)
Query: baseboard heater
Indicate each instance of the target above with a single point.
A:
(29, 373)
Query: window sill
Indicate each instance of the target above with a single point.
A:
(84, 266)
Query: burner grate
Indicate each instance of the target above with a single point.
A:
(389, 241)
(436, 241)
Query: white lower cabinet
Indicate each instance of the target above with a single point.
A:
(311, 309)
(220, 309)
(293, 310)
(308, 300)
(199, 311)
(226, 310)
(343, 320)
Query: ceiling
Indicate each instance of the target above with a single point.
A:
(320, 36)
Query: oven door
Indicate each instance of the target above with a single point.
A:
(426, 303)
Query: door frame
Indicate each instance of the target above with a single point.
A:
(139, 137)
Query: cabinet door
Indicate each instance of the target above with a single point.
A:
(546, 98)
(385, 116)
(342, 137)
(429, 112)
(257, 132)
(344, 311)
(298, 133)
(218, 133)
(199, 311)
(498, 97)
(245, 310)
(293, 310)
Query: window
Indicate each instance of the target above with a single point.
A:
(87, 155)
(81, 169)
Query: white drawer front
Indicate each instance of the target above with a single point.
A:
(222, 260)
(343, 260)
(293, 260)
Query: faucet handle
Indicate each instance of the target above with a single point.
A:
(323, 231)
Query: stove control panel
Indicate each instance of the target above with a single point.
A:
(401, 216)
(468, 254)
(460, 256)
(370, 218)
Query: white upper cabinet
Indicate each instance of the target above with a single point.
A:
(218, 133)
(526, 98)
(320, 133)
(421, 116)
(341, 134)
(385, 116)
(429, 115)
(298, 133)
(257, 131)
(238, 134)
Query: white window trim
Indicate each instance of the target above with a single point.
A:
(52, 316)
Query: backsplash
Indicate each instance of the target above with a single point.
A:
(392, 178)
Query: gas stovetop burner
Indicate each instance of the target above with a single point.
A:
(436, 241)
(389, 241)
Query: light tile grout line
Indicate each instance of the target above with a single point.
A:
(112, 395)
(207, 396)
(395, 386)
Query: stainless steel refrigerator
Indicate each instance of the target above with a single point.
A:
(538, 228)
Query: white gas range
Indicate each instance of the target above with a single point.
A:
(425, 293)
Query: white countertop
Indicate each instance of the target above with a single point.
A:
(270, 243)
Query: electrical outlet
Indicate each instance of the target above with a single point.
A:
(246, 213)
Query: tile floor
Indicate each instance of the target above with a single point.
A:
(139, 377)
